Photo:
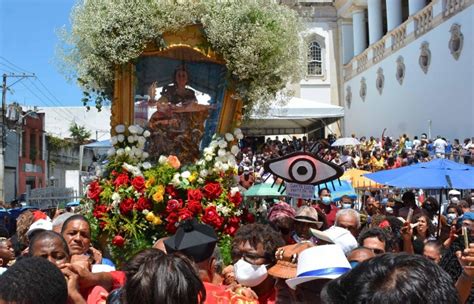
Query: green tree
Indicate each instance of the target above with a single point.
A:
(79, 133)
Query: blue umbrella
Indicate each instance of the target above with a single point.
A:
(339, 190)
(436, 174)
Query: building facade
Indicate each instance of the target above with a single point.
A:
(407, 67)
(31, 163)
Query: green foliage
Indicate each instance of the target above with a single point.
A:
(225, 246)
(79, 133)
(55, 143)
(259, 40)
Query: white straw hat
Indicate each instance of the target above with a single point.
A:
(320, 262)
(338, 236)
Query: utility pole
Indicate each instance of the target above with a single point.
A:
(4, 126)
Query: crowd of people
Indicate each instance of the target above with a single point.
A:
(321, 252)
(388, 247)
(373, 154)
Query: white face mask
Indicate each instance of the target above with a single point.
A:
(451, 216)
(248, 274)
(389, 210)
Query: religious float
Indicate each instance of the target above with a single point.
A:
(180, 76)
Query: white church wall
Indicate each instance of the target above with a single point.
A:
(317, 88)
(443, 97)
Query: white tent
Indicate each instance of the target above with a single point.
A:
(298, 116)
(99, 146)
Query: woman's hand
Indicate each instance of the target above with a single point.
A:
(466, 259)
(407, 231)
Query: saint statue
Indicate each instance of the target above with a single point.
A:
(177, 126)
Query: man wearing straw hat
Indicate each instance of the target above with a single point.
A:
(306, 218)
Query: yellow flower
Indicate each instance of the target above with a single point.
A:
(158, 197)
(193, 177)
(150, 216)
(160, 189)
(150, 182)
(157, 221)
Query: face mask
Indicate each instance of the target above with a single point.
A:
(249, 275)
(346, 206)
(452, 216)
(389, 210)
(326, 200)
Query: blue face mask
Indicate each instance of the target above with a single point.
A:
(326, 200)
(346, 206)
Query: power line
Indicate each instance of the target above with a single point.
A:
(55, 103)
(60, 108)
(41, 100)
(15, 66)
(50, 93)
(10, 69)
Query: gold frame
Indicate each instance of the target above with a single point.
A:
(190, 43)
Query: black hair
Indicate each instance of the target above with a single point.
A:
(73, 218)
(48, 234)
(258, 234)
(408, 197)
(379, 233)
(33, 280)
(455, 207)
(392, 278)
(155, 277)
(4, 232)
(431, 228)
(437, 244)
(395, 236)
(322, 189)
(431, 205)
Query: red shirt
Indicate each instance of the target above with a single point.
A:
(269, 298)
(331, 215)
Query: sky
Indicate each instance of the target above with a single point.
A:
(28, 43)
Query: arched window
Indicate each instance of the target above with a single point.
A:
(315, 62)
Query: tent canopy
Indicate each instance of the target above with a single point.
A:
(98, 145)
(436, 174)
(298, 116)
(358, 180)
(339, 190)
(264, 190)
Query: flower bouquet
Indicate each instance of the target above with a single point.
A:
(132, 204)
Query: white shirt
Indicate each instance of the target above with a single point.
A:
(440, 145)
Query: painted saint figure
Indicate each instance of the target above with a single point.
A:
(177, 126)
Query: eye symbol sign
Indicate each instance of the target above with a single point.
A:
(303, 168)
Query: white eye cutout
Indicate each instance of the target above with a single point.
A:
(303, 168)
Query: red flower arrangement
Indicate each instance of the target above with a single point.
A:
(134, 207)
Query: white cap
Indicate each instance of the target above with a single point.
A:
(454, 192)
(39, 225)
(338, 236)
(320, 262)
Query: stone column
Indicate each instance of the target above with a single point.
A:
(375, 20)
(414, 6)
(347, 33)
(394, 14)
(360, 35)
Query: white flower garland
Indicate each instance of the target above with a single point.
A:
(258, 39)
